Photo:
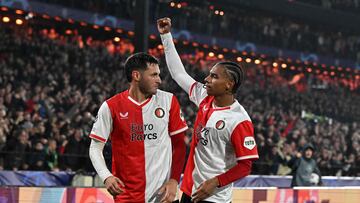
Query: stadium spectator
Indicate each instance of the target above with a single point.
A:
(304, 168)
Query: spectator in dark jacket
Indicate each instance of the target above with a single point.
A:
(304, 168)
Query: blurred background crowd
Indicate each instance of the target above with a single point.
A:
(246, 24)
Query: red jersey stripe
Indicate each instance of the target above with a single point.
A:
(98, 138)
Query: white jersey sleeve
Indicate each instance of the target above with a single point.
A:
(175, 66)
(197, 93)
(97, 159)
(103, 124)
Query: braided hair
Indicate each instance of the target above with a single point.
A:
(235, 72)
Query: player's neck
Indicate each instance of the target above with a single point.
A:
(224, 100)
(137, 95)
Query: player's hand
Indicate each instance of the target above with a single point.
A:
(168, 191)
(114, 185)
(164, 25)
(206, 189)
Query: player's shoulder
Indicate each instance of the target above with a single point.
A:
(239, 113)
(117, 98)
(164, 94)
(238, 117)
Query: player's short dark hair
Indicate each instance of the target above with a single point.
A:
(236, 73)
(138, 61)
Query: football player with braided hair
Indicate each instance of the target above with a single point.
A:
(223, 145)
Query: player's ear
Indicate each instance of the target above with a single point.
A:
(229, 86)
(136, 75)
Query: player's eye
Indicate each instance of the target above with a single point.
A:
(213, 75)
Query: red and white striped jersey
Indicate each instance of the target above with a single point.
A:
(141, 143)
(221, 137)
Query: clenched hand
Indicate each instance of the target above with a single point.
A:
(164, 25)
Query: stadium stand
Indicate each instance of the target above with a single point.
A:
(256, 26)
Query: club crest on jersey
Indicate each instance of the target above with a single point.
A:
(249, 142)
(220, 125)
(159, 112)
(124, 115)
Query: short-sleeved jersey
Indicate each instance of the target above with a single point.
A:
(222, 136)
(141, 143)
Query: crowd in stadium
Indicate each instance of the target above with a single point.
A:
(265, 29)
(253, 26)
(341, 5)
(51, 87)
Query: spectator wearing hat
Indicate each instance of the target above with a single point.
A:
(304, 168)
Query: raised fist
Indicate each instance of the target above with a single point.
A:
(164, 25)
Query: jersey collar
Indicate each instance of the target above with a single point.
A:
(137, 103)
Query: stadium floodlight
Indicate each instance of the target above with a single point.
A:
(19, 22)
(117, 39)
(6, 19)
(19, 12)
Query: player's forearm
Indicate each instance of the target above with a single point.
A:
(178, 156)
(242, 169)
(97, 159)
(176, 68)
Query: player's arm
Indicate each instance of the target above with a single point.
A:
(99, 134)
(176, 68)
(242, 139)
(178, 156)
(240, 170)
(207, 188)
(111, 182)
(177, 127)
(168, 190)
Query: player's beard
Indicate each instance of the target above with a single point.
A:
(146, 89)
